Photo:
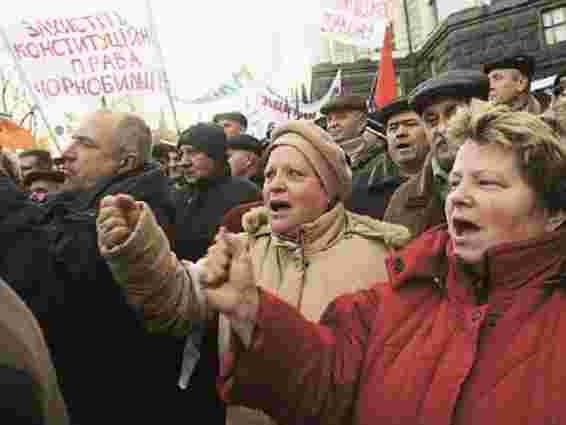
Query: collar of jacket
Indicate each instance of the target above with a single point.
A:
(511, 265)
(526, 102)
(202, 184)
(421, 187)
(362, 159)
(328, 229)
(143, 183)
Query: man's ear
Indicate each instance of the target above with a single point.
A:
(128, 163)
(524, 84)
(556, 220)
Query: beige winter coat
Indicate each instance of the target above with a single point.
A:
(339, 253)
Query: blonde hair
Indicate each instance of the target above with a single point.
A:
(540, 155)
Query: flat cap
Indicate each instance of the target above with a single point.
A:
(231, 116)
(54, 176)
(524, 63)
(245, 142)
(396, 107)
(455, 83)
(345, 103)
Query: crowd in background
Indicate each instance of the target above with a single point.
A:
(400, 266)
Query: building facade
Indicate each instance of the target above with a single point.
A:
(464, 39)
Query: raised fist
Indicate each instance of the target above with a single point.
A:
(117, 218)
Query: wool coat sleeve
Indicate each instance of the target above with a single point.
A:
(300, 372)
(164, 289)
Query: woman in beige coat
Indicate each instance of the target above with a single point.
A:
(303, 245)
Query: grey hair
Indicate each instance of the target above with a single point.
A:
(132, 135)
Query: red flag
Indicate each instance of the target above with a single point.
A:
(385, 90)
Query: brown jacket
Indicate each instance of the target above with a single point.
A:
(416, 204)
(23, 348)
(340, 252)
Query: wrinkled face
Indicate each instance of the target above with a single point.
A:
(90, 156)
(240, 161)
(231, 128)
(490, 202)
(28, 164)
(292, 192)
(196, 163)
(435, 118)
(344, 125)
(505, 85)
(407, 143)
(174, 170)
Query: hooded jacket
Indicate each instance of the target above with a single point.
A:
(338, 253)
(426, 348)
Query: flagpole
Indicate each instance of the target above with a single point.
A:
(27, 83)
(153, 31)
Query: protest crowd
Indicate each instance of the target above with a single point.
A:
(394, 265)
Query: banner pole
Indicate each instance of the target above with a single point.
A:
(153, 31)
(27, 83)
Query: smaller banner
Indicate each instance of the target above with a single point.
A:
(356, 22)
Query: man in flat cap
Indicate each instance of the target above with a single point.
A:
(407, 147)
(347, 123)
(234, 123)
(244, 156)
(510, 80)
(418, 204)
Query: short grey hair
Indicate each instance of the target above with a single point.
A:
(132, 135)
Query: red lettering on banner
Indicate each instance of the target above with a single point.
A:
(89, 83)
(20, 51)
(81, 87)
(33, 50)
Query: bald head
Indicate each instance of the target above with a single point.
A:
(106, 144)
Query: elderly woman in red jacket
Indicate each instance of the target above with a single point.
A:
(471, 327)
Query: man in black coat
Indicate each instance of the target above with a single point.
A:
(211, 190)
(110, 368)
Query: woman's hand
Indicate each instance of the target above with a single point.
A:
(117, 218)
(230, 278)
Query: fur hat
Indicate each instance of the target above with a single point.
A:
(455, 83)
(345, 103)
(207, 138)
(50, 175)
(325, 156)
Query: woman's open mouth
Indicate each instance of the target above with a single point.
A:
(279, 206)
(464, 227)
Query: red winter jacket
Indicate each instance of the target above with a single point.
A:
(424, 349)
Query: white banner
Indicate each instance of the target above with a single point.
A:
(356, 22)
(93, 54)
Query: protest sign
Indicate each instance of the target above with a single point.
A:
(94, 54)
(356, 22)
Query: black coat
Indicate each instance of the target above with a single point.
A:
(111, 370)
(201, 208)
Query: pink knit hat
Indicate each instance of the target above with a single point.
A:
(326, 157)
